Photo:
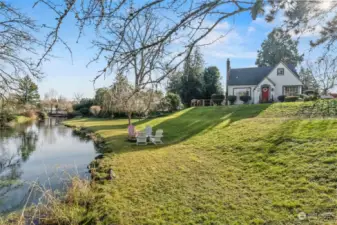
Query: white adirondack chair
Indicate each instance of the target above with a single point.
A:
(141, 138)
(156, 139)
(148, 131)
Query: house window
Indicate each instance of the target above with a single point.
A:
(291, 90)
(280, 71)
(241, 92)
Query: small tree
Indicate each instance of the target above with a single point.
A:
(124, 98)
(212, 84)
(77, 97)
(27, 92)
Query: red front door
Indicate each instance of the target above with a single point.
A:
(265, 94)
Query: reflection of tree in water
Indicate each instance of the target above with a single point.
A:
(52, 129)
(12, 158)
(10, 172)
(62, 131)
(28, 144)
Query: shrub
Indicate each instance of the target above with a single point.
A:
(95, 110)
(310, 98)
(172, 101)
(231, 99)
(84, 111)
(217, 99)
(245, 98)
(281, 98)
(5, 117)
(311, 92)
(291, 99)
(74, 114)
(84, 103)
(42, 115)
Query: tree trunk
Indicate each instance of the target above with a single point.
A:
(129, 117)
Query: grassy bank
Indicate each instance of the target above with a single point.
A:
(22, 119)
(219, 165)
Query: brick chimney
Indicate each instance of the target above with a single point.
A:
(227, 78)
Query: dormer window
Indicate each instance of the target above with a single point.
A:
(280, 71)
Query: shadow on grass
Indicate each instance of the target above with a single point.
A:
(185, 124)
(197, 120)
(177, 127)
(122, 125)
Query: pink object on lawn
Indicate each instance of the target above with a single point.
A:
(131, 131)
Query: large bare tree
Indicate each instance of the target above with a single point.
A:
(325, 73)
(148, 62)
(17, 47)
(182, 24)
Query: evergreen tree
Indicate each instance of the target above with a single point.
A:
(99, 96)
(27, 92)
(192, 79)
(212, 84)
(175, 83)
(278, 47)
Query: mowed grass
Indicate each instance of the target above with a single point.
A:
(219, 165)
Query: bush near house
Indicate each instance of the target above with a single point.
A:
(231, 99)
(291, 98)
(217, 99)
(281, 98)
(310, 98)
(245, 98)
(311, 92)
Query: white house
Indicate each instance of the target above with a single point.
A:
(263, 84)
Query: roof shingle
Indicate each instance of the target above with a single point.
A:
(252, 76)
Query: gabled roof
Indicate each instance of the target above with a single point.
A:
(252, 75)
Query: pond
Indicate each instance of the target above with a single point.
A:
(47, 153)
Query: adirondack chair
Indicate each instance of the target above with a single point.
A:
(156, 139)
(148, 131)
(141, 138)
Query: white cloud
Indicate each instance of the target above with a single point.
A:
(222, 34)
(230, 45)
(216, 38)
(251, 29)
(235, 54)
(260, 21)
(223, 26)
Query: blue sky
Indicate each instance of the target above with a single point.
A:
(68, 76)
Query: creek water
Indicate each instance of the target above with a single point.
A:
(46, 153)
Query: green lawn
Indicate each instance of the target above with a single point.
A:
(219, 165)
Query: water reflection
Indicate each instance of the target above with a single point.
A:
(46, 152)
